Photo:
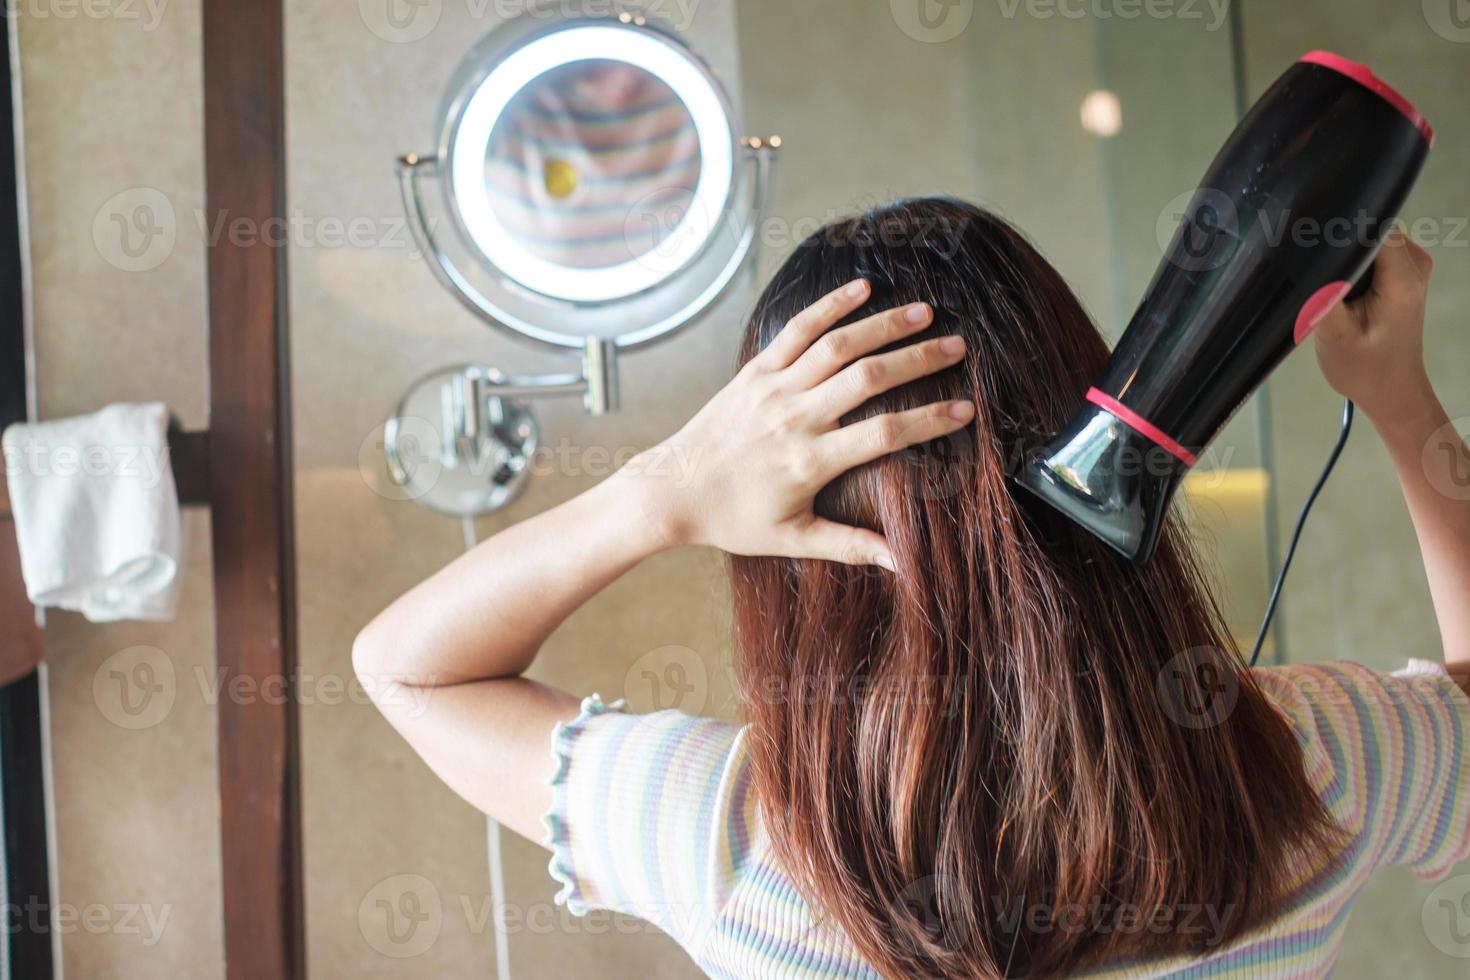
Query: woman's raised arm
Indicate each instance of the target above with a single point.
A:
(1372, 351)
(444, 661)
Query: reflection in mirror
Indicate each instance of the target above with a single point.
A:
(592, 164)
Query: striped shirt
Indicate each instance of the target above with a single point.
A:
(654, 816)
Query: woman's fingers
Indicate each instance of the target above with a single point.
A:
(830, 541)
(1402, 266)
(1400, 276)
(837, 348)
(872, 438)
(874, 375)
(811, 323)
(1343, 321)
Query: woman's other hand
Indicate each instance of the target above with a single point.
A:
(742, 475)
(1372, 349)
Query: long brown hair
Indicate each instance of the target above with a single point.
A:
(981, 765)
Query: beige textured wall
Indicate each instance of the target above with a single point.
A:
(114, 185)
(1357, 589)
(366, 321)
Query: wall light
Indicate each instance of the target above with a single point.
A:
(1102, 113)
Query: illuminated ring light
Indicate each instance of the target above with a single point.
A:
(585, 43)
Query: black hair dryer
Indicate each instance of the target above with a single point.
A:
(1288, 216)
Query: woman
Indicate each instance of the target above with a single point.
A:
(977, 742)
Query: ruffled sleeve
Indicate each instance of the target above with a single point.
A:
(650, 815)
(558, 834)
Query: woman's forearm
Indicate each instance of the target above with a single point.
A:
(1371, 350)
(1433, 466)
(487, 613)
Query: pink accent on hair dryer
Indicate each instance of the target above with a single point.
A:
(1321, 304)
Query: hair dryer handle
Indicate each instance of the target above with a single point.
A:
(1363, 285)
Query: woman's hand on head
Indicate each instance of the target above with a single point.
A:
(742, 475)
(1372, 349)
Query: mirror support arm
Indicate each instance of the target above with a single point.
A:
(597, 382)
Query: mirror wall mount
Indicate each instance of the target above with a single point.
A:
(459, 446)
(462, 439)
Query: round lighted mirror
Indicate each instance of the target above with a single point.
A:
(573, 152)
(592, 171)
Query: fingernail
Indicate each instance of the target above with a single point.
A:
(857, 288)
(962, 411)
(885, 561)
(952, 345)
(917, 313)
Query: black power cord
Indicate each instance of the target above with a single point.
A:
(1301, 520)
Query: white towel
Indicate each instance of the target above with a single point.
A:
(96, 512)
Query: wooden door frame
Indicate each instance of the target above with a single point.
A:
(249, 454)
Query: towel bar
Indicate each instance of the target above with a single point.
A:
(189, 453)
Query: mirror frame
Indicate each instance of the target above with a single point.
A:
(677, 300)
(479, 104)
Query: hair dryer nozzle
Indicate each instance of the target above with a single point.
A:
(1109, 478)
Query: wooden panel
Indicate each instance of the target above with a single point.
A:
(22, 785)
(250, 470)
(21, 643)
